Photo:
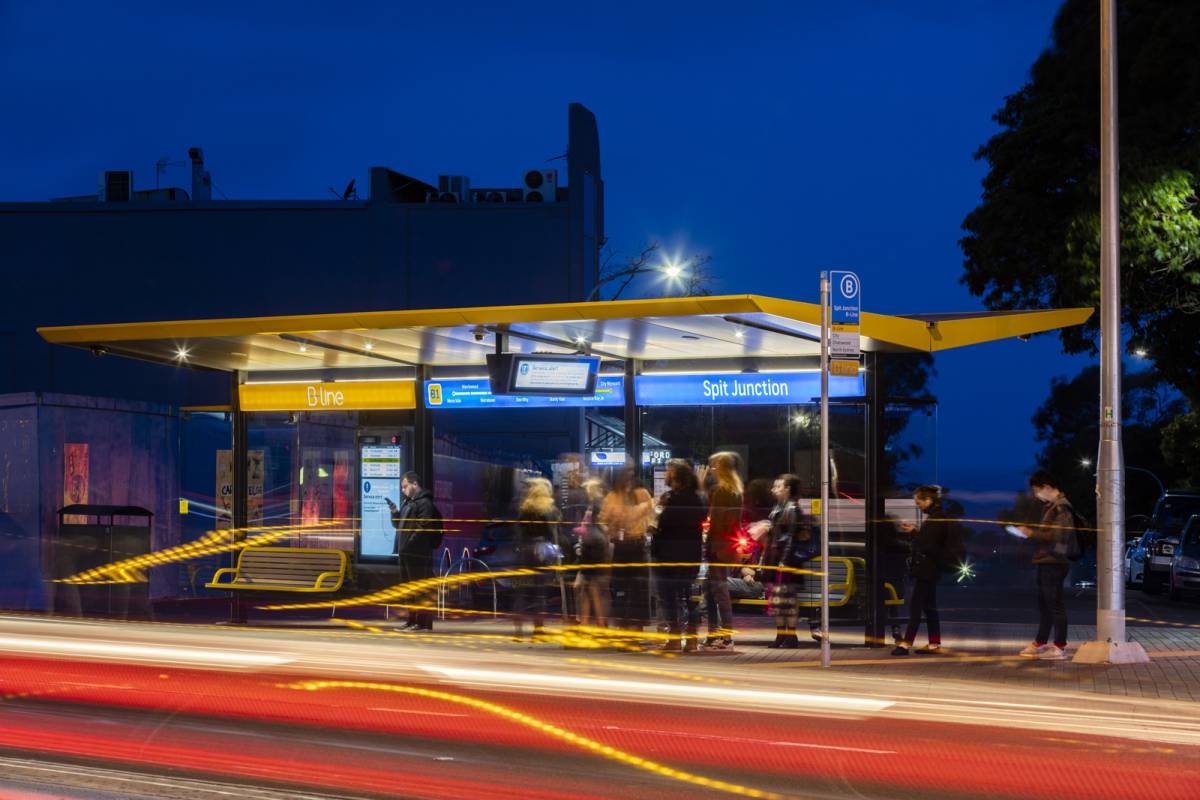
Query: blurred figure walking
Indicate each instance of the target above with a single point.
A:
(626, 515)
(679, 541)
(536, 546)
(724, 524)
(593, 550)
(1056, 545)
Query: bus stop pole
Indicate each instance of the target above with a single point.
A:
(825, 649)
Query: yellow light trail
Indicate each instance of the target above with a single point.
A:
(582, 742)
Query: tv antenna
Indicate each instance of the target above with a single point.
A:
(162, 165)
(349, 193)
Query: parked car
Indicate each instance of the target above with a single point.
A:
(1135, 564)
(1185, 565)
(1158, 543)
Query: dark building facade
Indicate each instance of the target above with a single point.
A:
(124, 255)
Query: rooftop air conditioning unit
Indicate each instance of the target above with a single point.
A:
(489, 196)
(540, 186)
(116, 186)
(451, 189)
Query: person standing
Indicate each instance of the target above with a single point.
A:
(930, 545)
(419, 530)
(593, 549)
(536, 546)
(1052, 540)
(790, 544)
(724, 523)
(678, 545)
(626, 517)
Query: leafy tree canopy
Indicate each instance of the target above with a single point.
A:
(1033, 241)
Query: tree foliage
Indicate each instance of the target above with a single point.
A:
(1069, 438)
(1033, 241)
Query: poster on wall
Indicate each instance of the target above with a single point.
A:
(310, 490)
(255, 467)
(380, 471)
(341, 484)
(75, 480)
(224, 493)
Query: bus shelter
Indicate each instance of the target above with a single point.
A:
(338, 405)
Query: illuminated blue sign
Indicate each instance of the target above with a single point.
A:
(455, 393)
(717, 389)
(740, 389)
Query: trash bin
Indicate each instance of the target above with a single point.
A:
(91, 536)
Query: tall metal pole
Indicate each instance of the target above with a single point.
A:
(1110, 645)
(825, 647)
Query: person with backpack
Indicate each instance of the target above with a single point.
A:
(418, 524)
(790, 544)
(936, 548)
(1056, 544)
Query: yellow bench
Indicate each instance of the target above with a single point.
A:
(283, 569)
(843, 585)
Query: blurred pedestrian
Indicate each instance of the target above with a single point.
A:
(626, 515)
(677, 546)
(790, 544)
(724, 528)
(1053, 540)
(932, 544)
(537, 547)
(593, 551)
(419, 530)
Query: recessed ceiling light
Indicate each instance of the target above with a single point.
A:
(303, 349)
(181, 354)
(240, 355)
(369, 346)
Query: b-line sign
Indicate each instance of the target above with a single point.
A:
(845, 306)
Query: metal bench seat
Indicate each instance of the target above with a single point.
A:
(283, 569)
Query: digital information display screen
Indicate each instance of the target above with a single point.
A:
(380, 471)
(541, 374)
(552, 376)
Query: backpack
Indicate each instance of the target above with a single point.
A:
(1075, 539)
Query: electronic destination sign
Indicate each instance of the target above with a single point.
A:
(538, 374)
(713, 389)
(741, 389)
(477, 393)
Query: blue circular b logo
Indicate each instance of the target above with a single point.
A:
(849, 287)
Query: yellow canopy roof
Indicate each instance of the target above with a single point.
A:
(729, 326)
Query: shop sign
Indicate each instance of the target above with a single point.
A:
(327, 396)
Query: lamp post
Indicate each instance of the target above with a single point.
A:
(1110, 646)
(1162, 488)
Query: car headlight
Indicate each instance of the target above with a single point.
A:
(1190, 564)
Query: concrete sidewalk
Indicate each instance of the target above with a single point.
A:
(973, 652)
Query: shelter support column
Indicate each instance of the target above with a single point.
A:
(423, 430)
(240, 445)
(633, 417)
(873, 439)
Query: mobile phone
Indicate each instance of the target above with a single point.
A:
(1015, 531)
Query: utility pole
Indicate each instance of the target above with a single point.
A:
(1110, 646)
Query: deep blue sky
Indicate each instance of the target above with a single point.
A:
(785, 139)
